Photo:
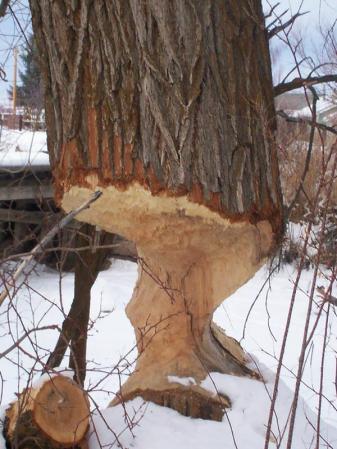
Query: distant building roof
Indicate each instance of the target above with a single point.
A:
(25, 148)
(291, 101)
(326, 111)
(296, 104)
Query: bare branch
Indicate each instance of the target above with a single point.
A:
(40, 247)
(3, 75)
(307, 121)
(24, 336)
(274, 31)
(20, 27)
(296, 83)
(305, 341)
(278, 18)
(294, 68)
(272, 9)
(310, 147)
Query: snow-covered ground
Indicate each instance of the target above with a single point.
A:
(22, 148)
(44, 300)
(147, 426)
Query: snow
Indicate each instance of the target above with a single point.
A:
(186, 381)
(265, 328)
(250, 398)
(47, 296)
(145, 425)
(23, 148)
(325, 109)
(38, 381)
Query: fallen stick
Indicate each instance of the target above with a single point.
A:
(46, 239)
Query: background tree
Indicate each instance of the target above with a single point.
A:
(167, 107)
(29, 92)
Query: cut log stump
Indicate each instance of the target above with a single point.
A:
(52, 415)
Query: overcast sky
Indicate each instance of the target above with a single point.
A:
(322, 14)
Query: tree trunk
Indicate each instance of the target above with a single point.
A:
(75, 326)
(51, 415)
(167, 107)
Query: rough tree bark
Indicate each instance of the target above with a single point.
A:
(167, 107)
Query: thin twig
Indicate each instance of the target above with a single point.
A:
(308, 315)
(20, 340)
(20, 27)
(41, 246)
(309, 152)
(272, 9)
(307, 121)
(277, 29)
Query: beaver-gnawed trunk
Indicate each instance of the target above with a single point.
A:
(167, 107)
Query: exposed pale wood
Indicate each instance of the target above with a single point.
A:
(53, 414)
(228, 343)
(190, 260)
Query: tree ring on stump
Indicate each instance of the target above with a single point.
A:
(61, 402)
(53, 415)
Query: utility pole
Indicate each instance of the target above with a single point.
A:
(15, 53)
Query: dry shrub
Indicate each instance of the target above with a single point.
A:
(293, 141)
